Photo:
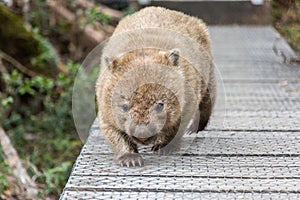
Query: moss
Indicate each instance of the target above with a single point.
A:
(292, 34)
(16, 40)
(26, 46)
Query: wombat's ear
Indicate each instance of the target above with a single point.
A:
(108, 62)
(174, 56)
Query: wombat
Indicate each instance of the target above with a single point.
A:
(157, 90)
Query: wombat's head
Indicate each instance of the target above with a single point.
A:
(146, 95)
(150, 109)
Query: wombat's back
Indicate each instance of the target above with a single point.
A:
(157, 17)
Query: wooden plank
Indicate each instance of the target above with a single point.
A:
(259, 71)
(86, 195)
(248, 44)
(263, 105)
(193, 166)
(254, 96)
(250, 37)
(255, 124)
(262, 122)
(239, 112)
(181, 184)
(216, 143)
(164, 163)
(258, 91)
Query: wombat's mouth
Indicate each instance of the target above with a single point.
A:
(145, 141)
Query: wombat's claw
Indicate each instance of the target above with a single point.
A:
(130, 160)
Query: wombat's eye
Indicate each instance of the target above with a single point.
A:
(159, 106)
(125, 107)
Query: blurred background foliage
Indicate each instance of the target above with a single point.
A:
(42, 46)
(286, 19)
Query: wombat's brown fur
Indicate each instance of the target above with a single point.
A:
(135, 107)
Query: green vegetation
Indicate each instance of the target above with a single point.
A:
(39, 122)
(4, 171)
(94, 15)
(35, 107)
(286, 19)
(40, 54)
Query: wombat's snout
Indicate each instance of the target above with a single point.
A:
(142, 133)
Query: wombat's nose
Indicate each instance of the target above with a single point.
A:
(142, 132)
(145, 140)
(141, 139)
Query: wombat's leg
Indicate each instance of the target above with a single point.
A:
(166, 143)
(125, 150)
(205, 110)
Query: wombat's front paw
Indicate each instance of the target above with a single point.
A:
(130, 160)
(162, 149)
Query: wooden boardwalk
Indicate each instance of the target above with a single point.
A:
(250, 150)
